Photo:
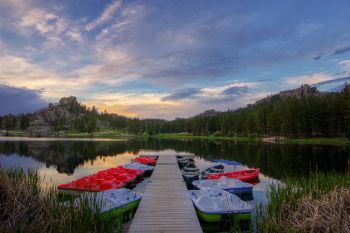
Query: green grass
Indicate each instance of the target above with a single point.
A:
(320, 141)
(318, 203)
(13, 132)
(102, 133)
(210, 137)
(26, 207)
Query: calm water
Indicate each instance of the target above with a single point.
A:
(62, 161)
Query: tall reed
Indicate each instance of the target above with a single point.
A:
(319, 203)
(26, 207)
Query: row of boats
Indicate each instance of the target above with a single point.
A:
(217, 194)
(107, 190)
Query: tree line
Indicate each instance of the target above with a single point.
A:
(325, 114)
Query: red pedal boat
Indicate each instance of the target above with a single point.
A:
(112, 178)
(249, 175)
(145, 160)
(92, 184)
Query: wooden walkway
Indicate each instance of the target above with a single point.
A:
(166, 205)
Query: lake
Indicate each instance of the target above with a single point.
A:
(61, 161)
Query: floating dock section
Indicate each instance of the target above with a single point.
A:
(166, 205)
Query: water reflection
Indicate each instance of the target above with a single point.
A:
(274, 160)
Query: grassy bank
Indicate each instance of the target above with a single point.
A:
(115, 133)
(315, 141)
(210, 137)
(320, 141)
(103, 133)
(319, 203)
(25, 207)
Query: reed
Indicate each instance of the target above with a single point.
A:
(319, 203)
(26, 207)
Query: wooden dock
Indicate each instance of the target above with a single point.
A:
(166, 205)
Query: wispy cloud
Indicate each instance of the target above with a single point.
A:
(346, 64)
(308, 79)
(335, 80)
(337, 51)
(106, 15)
(182, 94)
(341, 50)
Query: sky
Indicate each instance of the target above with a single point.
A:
(168, 58)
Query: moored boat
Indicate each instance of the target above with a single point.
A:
(190, 173)
(181, 161)
(224, 161)
(111, 203)
(184, 162)
(249, 175)
(234, 186)
(112, 178)
(90, 184)
(213, 205)
(145, 160)
(212, 170)
(139, 166)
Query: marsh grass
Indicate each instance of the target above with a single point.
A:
(25, 207)
(319, 203)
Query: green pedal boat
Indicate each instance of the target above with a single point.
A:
(111, 203)
(215, 205)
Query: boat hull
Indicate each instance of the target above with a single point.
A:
(190, 179)
(214, 218)
(121, 210)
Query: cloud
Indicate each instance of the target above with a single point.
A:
(15, 100)
(308, 79)
(341, 50)
(216, 94)
(44, 27)
(182, 94)
(236, 90)
(19, 72)
(346, 64)
(334, 52)
(106, 15)
(343, 79)
(317, 57)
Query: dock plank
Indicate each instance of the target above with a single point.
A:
(166, 205)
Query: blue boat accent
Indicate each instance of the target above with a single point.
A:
(234, 186)
(228, 162)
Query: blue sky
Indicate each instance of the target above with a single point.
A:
(168, 58)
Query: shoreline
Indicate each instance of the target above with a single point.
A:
(33, 139)
(271, 140)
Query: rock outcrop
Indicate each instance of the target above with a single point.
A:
(49, 121)
(304, 90)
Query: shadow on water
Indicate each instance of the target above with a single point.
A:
(274, 160)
